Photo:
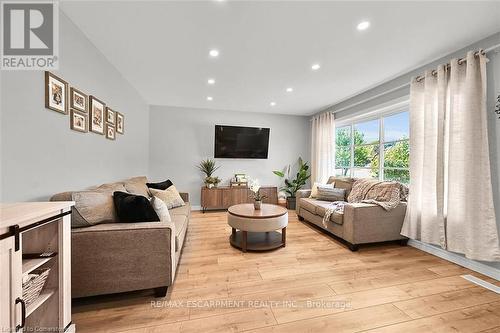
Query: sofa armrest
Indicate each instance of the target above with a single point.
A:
(369, 223)
(184, 196)
(298, 195)
(118, 257)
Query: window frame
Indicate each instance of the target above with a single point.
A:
(350, 123)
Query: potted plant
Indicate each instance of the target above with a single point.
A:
(293, 185)
(255, 194)
(208, 167)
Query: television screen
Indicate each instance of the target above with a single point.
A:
(241, 142)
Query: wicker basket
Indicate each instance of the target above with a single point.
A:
(33, 287)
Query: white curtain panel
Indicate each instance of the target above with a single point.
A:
(322, 147)
(451, 200)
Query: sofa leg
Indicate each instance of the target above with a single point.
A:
(161, 291)
(353, 247)
(300, 218)
(403, 242)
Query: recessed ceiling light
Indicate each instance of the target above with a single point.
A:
(211, 81)
(210, 98)
(290, 89)
(363, 25)
(315, 67)
(214, 53)
(272, 103)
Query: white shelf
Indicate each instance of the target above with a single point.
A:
(31, 264)
(44, 296)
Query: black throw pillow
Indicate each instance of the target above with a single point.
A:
(160, 186)
(134, 208)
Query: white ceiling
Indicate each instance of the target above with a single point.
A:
(161, 47)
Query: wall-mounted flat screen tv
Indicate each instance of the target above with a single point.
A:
(241, 142)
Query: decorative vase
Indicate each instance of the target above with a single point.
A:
(210, 185)
(257, 204)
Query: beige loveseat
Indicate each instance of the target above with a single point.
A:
(115, 257)
(361, 223)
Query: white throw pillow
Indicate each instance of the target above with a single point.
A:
(170, 196)
(314, 190)
(161, 209)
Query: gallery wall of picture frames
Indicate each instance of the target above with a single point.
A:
(87, 113)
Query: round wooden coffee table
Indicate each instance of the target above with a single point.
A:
(256, 230)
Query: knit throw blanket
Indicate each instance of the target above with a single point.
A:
(334, 207)
(385, 194)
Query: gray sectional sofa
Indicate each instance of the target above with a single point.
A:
(361, 223)
(113, 257)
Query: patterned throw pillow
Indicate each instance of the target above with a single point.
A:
(170, 196)
(330, 194)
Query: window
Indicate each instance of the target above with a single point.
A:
(377, 148)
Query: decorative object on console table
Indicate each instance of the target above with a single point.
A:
(208, 167)
(223, 197)
(256, 195)
(293, 185)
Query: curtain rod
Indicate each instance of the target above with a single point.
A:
(460, 62)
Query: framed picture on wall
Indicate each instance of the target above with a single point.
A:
(97, 109)
(110, 131)
(78, 100)
(56, 93)
(78, 121)
(110, 116)
(120, 123)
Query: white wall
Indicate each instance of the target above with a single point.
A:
(181, 137)
(40, 154)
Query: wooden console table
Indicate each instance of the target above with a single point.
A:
(223, 197)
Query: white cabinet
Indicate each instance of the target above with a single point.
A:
(10, 286)
(35, 237)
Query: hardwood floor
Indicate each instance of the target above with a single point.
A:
(315, 284)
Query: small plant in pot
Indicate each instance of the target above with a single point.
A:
(208, 167)
(255, 194)
(293, 185)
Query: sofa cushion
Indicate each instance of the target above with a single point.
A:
(343, 182)
(321, 207)
(308, 204)
(161, 185)
(93, 207)
(137, 186)
(181, 223)
(183, 210)
(161, 210)
(134, 208)
(330, 194)
(117, 226)
(314, 189)
(170, 196)
(77, 220)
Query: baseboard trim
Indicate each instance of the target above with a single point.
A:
(456, 259)
(195, 208)
(482, 283)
